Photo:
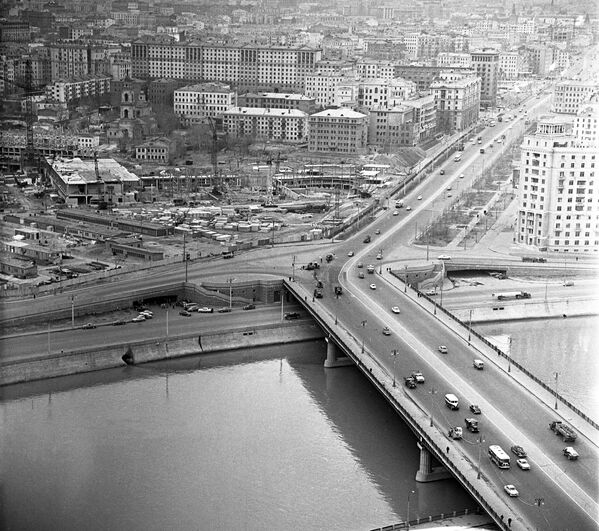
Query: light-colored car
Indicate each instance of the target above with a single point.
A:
(523, 463)
(139, 319)
(511, 490)
(396, 212)
(431, 292)
(361, 274)
(443, 257)
(350, 254)
(442, 349)
(395, 309)
(205, 309)
(449, 194)
(417, 375)
(570, 453)
(462, 175)
(147, 315)
(372, 286)
(408, 208)
(456, 432)
(419, 198)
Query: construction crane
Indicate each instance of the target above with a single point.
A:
(213, 154)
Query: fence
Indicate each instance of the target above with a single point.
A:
(504, 355)
(435, 518)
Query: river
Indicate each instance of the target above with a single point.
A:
(260, 439)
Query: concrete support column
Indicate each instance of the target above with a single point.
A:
(333, 359)
(428, 471)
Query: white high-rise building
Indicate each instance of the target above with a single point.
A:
(558, 197)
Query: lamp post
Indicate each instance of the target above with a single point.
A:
(408, 512)
(556, 375)
(72, 311)
(230, 280)
(394, 354)
(167, 322)
(293, 269)
(433, 391)
(480, 443)
(509, 356)
(363, 325)
(405, 279)
(469, 326)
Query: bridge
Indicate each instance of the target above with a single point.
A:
(516, 410)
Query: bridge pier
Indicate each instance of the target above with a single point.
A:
(333, 358)
(427, 472)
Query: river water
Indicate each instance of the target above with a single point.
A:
(260, 439)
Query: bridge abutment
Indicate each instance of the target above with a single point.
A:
(428, 471)
(333, 357)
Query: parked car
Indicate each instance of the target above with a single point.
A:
(443, 257)
(360, 274)
(185, 313)
(570, 453)
(205, 309)
(292, 315)
(475, 409)
(139, 319)
(408, 208)
(372, 286)
(395, 309)
(442, 172)
(249, 307)
(88, 326)
(512, 491)
(431, 292)
(360, 265)
(523, 463)
(419, 198)
(455, 433)
(350, 254)
(410, 382)
(119, 322)
(377, 231)
(224, 309)
(417, 375)
(442, 349)
(367, 239)
(147, 314)
(396, 212)
(518, 451)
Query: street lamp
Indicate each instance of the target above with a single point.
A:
(72, 311)
(408, 514)
(230, 280)
(556, 374)
(469, 327)
(433, 391)
(405, 279)
(480, 443)
(394, 354)
(363, 325)
(509, 356)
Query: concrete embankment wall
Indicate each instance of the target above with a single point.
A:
(74, 362)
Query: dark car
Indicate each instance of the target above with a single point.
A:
(475, 409)
(410, 382)
(185, 313)
(367, 239)
(292, 315)
(224, 309)
(120, 322)
(249, 307)
(518, 451)
(89, 326)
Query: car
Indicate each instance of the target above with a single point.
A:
(417, 375)
(511, 490)
(386, 331)
(224, 309)
(191, 307)
(408, 208)
(361, 274)
(372, 286)
(462, 175)
(523, 463)
(120, 322)
(396, 212)
(88, 326)
(471, 425)
(147, 315)
(570, 453)
(431, 292)
(185, 313)
(518, 451)
(367, 239)
(360, 265)
(249, 307)
(395, 309)
(350, 254)
(442, 349)
(292, 315)
(475, 409)
(206, 309)
(442, 172)
(139, 319)
(410, 382)
(419, 198)
(379, 256)
(455, 433)
(449, 194)
(443, 257)
(377, 231)
(568, 283)
(449, 188)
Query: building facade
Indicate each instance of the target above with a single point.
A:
(486, 64)
(195, 103)
(568, 95)
(457, 102)
(278, 100)
(268, 124)
(338, 131)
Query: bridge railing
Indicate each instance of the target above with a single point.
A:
(432, 518)
(504, 355)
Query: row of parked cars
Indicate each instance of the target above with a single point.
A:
(190, 307)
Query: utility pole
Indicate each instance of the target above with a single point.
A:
(394, 354)
(556, 374)
(72, 311)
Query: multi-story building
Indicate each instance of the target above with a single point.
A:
(195, 103)
(68, 90)
(509, 65)
(540, 58)
(425, 116)
(451, 59)
(15, 31)
(246, 67)
(338, 131)
(423, 76)
(158, 150)
(558, 199)
(266, 124)
(486, 63)
(371, 69)
(457, 102)
(323, 87)
(392, 128)
(278, 100)
(384, 92)
(162, 91)
(69, 60)
(568, 95)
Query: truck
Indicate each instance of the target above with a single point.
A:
(564, 430)
(505, 295)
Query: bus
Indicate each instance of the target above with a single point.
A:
(498, 456)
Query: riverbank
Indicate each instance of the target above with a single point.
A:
(139, 352)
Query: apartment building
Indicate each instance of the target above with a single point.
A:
(372, 69)
(423, 76)
(486, 63)
(157, 150)
(268, 124)
(393, 127)
(66, 91)
(338, 131)
(278, 100)
(322, 87)
(15, 31)
(384, 92)
(457, 102)
(568, 95)
(68, 60)
(451, 59)
(558, 198)
(510, 64)
(246, 67)
(425, 116)
(195, 103)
